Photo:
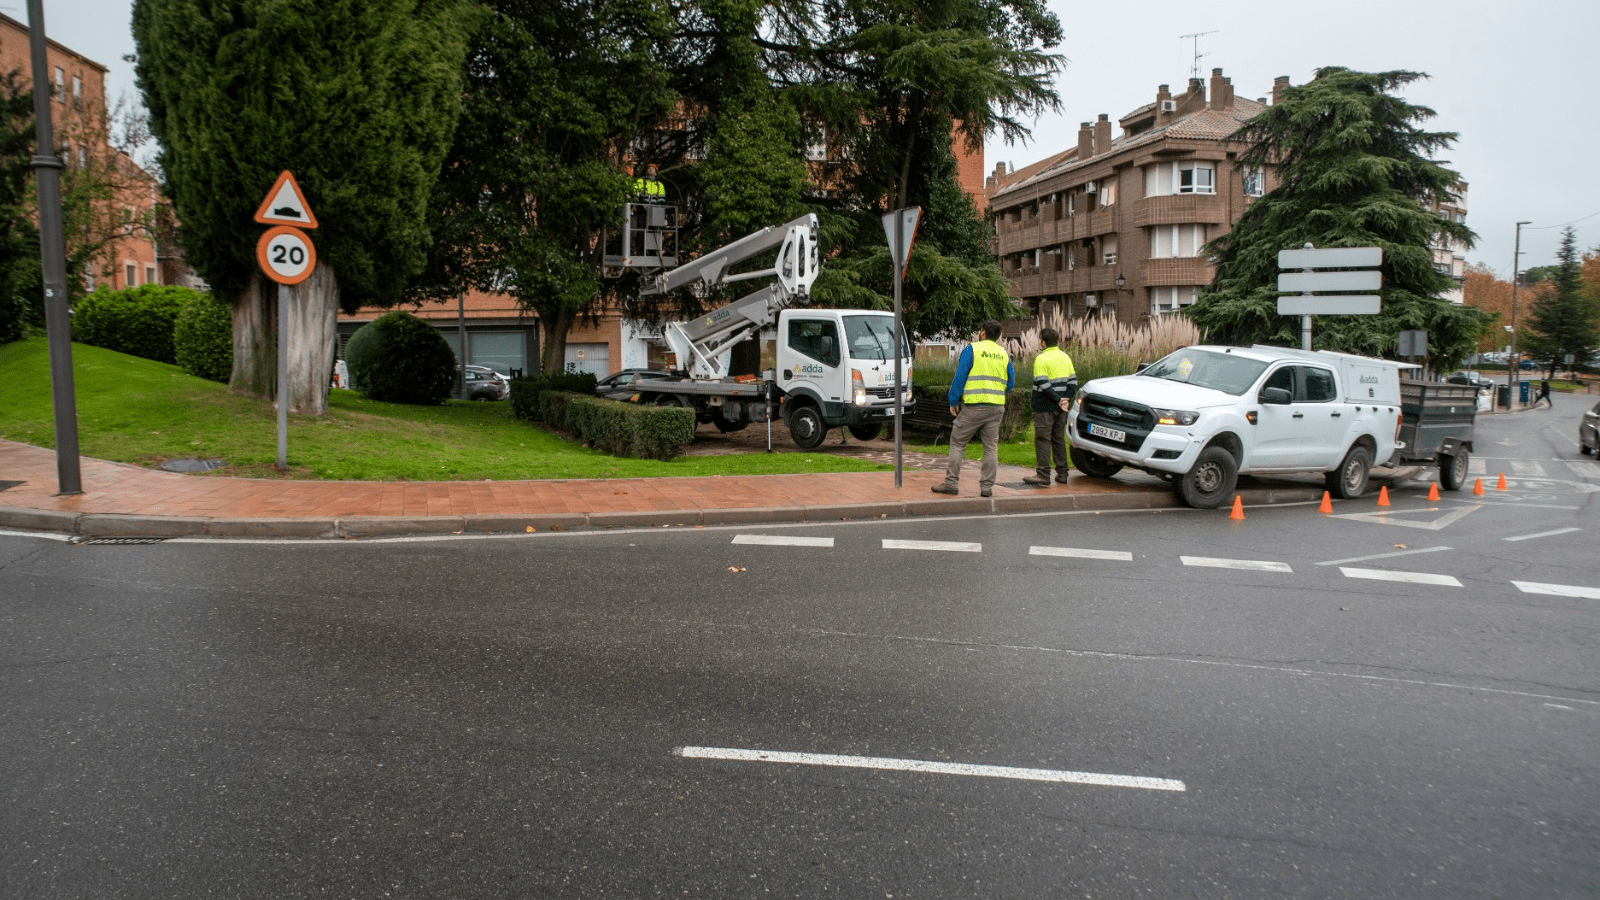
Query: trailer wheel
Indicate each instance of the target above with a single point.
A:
(866, 432)
(1093, 464)
(1453, 471)
(1349, 481)
(807, 428)
(1209, 482)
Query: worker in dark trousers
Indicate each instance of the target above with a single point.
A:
(1055, 383)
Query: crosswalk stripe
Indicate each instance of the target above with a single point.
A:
(1254, 565)
(949, 546)
(1527, 468)
(1404, 577)
(1586, 470)
(1077, 553)
(773, 540)
(1558, 590)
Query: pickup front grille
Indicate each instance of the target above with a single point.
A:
(1133, 418)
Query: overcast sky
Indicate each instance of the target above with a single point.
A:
(1517, 80)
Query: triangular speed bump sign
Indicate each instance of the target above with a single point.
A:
(285, 205)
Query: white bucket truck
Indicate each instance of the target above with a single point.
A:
(834, 367)
(1204, 415)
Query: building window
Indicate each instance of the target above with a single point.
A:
(1166, 299)
(77, 91)
(127, 275)
(1108, 194)
(1108, 249)
(1163, 179)
(1254, 181)
(1072, 206)
(1168, 241)
(149, 274)
(61, 85)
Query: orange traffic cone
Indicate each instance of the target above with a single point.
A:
(1383, 495)
(1327, 503)
(1477, 488)
(1433, 492)
(1238, 508)
(1502, 485)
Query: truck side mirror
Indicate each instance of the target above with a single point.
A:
(1275, 396)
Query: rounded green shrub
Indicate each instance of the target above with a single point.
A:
(203, 338)
(136, 321)
(398, 358)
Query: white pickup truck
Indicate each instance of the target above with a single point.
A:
(1202, 416)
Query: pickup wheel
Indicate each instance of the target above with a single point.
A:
(1453, 471)
(1209, 482)
(807, 428)
(867, 432)
(1093, 464)
(1349, 481)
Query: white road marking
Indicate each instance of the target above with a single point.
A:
(1254, 565)
(1081, 554)
(1584, 469)
(774, 540)
(1557, 706)
(950, 546)
(49, 536)
(917, 765)
(1391, 517)
(1529, 537)
(1405, 577)
(1527, 468)
(1558, 590)
(1353, 559)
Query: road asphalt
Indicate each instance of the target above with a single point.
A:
(120, 500)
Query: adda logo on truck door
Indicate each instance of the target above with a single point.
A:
(811, 369)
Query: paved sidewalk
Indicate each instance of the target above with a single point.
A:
(121, 500)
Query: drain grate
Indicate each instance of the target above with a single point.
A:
(10, 484)
(123, 541)
(192, 465)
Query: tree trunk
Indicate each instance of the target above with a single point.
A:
(555, 328)
(313, 305)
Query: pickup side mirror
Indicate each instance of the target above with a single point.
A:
(1275, 396)
(1141, 367)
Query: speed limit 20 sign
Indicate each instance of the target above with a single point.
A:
(286, 254)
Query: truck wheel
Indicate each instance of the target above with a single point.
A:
(1453, 471)
(807, 428)
(1210, 481)
(726, 427)
(1349, 481)
(1093, 464)
(666, 400)
(866, 432)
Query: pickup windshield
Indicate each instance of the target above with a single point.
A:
(871, 337)
(1208, 369)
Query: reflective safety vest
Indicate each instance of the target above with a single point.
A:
(986, 382)
(1052, 371)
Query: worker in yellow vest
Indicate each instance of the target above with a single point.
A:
(978, 402)
(1055, 383)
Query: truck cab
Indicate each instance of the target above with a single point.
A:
(836, 367)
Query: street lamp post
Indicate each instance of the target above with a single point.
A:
(1511, 357)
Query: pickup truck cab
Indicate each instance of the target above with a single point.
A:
(1203, 415)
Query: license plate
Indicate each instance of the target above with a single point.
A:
(889, 412)
(1110, 434)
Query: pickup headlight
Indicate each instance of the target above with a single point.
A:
(1175, 416)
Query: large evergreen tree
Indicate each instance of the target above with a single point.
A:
(1357, 170)
(1563, 320)
(21, 287)
(358, 98)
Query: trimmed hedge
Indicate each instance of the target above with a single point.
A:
(398, 358)
(202, 340)
(137, 321)
(1019, 406)
(525, 391)
(618, 428)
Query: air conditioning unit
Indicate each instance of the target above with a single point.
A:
(1169, 106)
(1091, 301)
(1091, 187)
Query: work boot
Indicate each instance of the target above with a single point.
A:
(985, 492)
(945, 489)
(1038, 480)
(1061, 478)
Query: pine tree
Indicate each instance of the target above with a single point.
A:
(1562, 321)
(1357, 171)
(21, 287)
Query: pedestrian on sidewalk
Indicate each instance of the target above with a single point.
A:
(1544, 394)
(978, 401)
(1055, 383)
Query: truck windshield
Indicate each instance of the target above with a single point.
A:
(871, 337)
(1208, 369)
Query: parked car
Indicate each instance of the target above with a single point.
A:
(624, 384)
(1589, 432)
(483, 383)
(1476, 379)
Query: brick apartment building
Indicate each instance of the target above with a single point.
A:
(79, 121)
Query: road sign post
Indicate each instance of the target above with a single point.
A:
(901, 228)
(1320, 292)
(288, 257)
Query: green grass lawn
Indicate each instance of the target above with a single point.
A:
(138, 411)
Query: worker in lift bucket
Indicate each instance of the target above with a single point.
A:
(649, 188)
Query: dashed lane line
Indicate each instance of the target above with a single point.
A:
(917, 765)
(1356, 559)
(1558, 590)
(1253, 565)
(1403, 577)
(1529, 537)
(946, 546)
(1079, 553)
(785, 540)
